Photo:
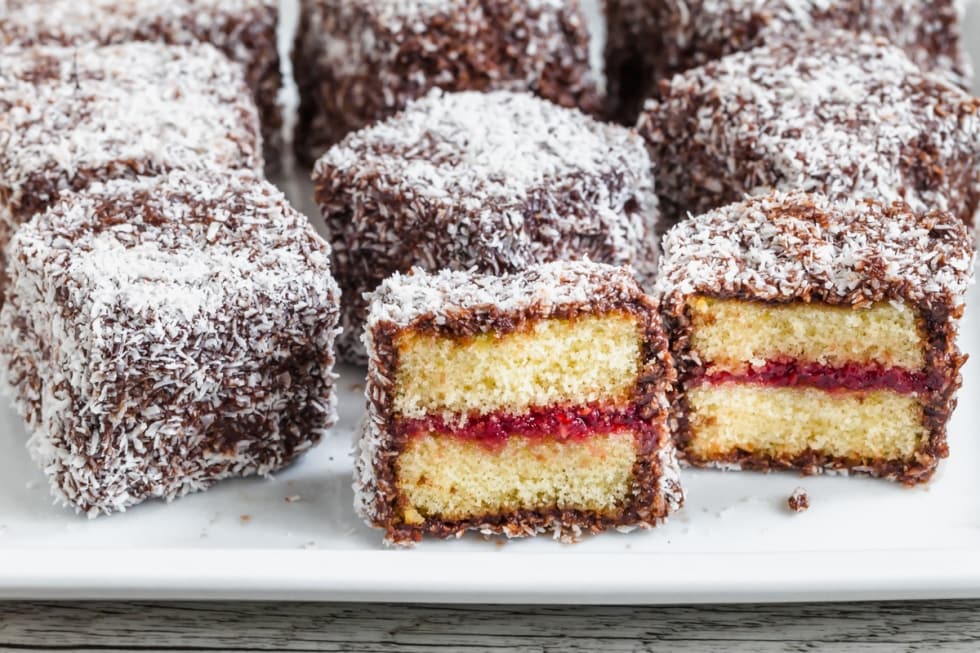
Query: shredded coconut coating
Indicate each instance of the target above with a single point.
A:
(244, 30)
(468, 303)
(649, 40)
(359, 61)
(403, 299)
(804, 247)
(843, 115)
(73, 116)
(491, 181)
(165, 333)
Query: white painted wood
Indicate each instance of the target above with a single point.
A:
(851, 627)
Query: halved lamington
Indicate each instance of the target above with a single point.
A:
(816, 336)
(518, 404)
(161, 334)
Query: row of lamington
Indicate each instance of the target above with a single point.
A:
(358, 61)
(171, 321)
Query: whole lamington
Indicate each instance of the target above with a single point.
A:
(359, 61)
(816, 335)
(843, 115)
(244, 30)
(70, 117)
(515, 405)
(493, 182)
(651, 40)
(162, 334)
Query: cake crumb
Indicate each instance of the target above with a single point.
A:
(245, 519)
(293, 498)
(799, 501)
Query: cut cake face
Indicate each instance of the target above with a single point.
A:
(516, 404)
(816, 335)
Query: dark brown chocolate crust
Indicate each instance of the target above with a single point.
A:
(803, 248)
(540, 46)
(396, 308)
(651, 40)
(491, 182)
(244, 30)
(861, 121)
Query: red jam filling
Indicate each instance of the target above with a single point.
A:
(850, 377)
(556, 422)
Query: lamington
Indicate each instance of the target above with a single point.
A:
(493, 182)
(843, 115)
(816, 335)
(161, 334)
(73, 116)
(652, 40)
(359, 61)
(516, 405)
(244, 30)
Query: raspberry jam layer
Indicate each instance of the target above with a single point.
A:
(561, 423)
(849, 378)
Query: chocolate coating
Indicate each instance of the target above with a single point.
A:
(799, 501)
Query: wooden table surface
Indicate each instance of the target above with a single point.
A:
(118, 626)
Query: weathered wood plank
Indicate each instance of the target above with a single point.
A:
(953, 625)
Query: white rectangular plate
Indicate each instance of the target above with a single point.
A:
(735, 540)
